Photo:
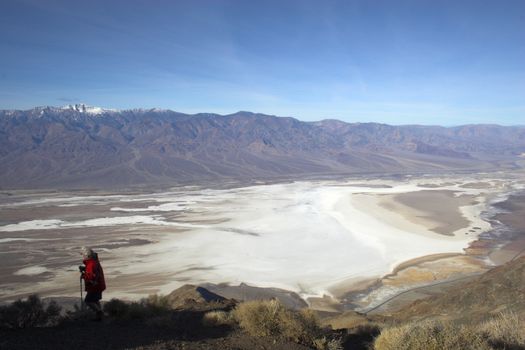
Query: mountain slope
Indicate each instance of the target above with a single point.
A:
(82, 146)
(498, 290)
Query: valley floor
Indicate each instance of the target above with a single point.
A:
(340, 245)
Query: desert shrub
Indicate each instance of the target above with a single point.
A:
(218, 318)
(301, 327)
(139, 311)
(430, 335)
(271, 318)
(324, 343)
(507, 330)
(116, 308)
(29, 313)
(259, 318)
(156, 301)
(143, 309)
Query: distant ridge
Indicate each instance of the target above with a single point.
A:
(79, 146)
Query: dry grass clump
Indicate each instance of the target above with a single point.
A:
(218, 318)
(261, 318)
(325, 343)
(507, 330)
(270, 318)
(430, 335)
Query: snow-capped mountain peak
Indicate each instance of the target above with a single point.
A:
(83, 108)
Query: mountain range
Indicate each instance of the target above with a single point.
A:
(79, 146)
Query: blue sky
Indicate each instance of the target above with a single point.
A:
(397, 62)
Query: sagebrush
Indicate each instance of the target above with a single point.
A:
(143, 309)
(263, 318)
(506, 331)
(31, 312)
(218, 318)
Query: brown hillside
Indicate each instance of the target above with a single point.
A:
(498, 290)
(68, 148)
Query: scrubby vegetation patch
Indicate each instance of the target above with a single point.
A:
(31, 312)
(506, 331)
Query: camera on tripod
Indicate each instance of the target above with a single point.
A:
(82, 268)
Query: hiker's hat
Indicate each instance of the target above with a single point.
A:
(86, 251)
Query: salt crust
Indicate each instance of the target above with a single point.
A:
(302, 236)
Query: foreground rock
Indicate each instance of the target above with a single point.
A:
(197, 298)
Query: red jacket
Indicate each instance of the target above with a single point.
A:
(94, 276)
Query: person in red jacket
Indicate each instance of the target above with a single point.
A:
(94, 281)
